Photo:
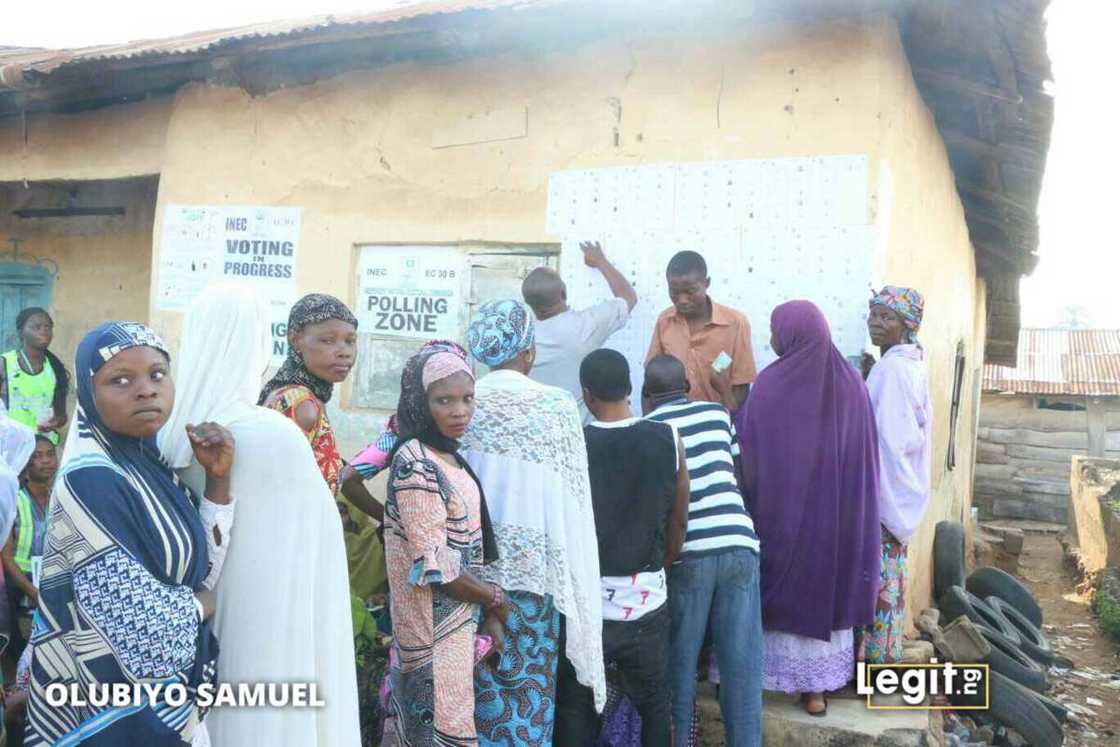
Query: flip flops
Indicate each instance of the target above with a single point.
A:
(806, 700)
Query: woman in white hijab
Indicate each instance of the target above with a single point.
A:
(17, 442)
(283, 601)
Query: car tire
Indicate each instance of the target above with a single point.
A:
(1032, 640)
(1018, 708)
(1012, 662)
(993, 582)
(1057, 710)
(957, 601)
(948, 556)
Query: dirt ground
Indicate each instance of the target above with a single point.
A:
(1093, 687)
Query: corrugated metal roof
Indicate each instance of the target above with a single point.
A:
(43, 61)
(1061, 361)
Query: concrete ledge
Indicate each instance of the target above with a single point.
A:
(849, 723)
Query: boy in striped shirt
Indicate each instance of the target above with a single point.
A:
(715, 580)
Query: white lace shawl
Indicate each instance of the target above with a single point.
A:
(526, 445)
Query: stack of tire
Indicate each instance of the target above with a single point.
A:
(1010, 619)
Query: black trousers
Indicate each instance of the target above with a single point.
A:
(16, 612)
(640, 650)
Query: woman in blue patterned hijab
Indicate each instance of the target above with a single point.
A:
(501, 330)
(120, 599)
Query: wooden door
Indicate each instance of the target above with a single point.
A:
(21, 285)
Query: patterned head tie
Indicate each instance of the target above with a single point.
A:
(442, 365)
(413, 419)
(313, 308)
(432, 346)
(907, 303)
(95, 350)
(318, 307)
(114, 337)
(502, 330)
(447, 346)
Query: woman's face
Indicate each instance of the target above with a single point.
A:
(38, 332)
(328, 348)
(885, 326)
(44, 461)
(451, 402)
(134, 393)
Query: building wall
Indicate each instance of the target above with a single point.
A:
(1025, 452)
(925, 245)
(1095, 513)
(356, 153)
(109, 143)
(104, 262)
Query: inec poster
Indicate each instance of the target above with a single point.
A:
(410, 291)
(205, 244)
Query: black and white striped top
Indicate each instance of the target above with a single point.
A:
(717, 518)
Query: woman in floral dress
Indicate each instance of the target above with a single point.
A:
(437, 538)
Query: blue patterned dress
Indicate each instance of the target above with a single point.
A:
(125, 552)
(515, 705)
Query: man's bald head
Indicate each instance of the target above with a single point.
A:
(545, 292)
(665, 375)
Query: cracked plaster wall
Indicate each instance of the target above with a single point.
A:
(355, 153)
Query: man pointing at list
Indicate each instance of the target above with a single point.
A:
(565, 336)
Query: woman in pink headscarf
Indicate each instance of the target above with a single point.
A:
(810, 469)
(437, 538)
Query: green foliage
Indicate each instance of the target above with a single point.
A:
(1107, 606)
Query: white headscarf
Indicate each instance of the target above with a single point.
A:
(283, 610)
(222, 359)
(17, 442)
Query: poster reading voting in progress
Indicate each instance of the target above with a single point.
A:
(770, 230)
(205, 244)
(410, 291)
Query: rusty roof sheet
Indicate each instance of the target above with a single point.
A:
(43, 61)
(1061, 361)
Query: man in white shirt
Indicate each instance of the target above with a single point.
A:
(565, 336)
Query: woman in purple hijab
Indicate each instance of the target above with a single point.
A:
(810, 469)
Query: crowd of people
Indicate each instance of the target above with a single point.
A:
(557, 568)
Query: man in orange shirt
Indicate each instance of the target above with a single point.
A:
(696, 329)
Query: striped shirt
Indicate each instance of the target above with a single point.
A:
(717, 518)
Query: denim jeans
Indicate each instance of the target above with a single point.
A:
(720, 590)
(640, 650)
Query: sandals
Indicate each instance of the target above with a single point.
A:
(809, 700)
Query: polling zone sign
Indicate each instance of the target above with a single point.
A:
(205, 244)
(410, 291)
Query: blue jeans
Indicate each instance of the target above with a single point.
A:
(722, 590)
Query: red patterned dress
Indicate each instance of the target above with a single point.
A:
(286, 400)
